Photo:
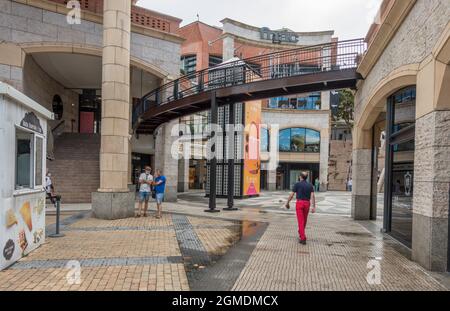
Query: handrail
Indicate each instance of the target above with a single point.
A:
(58, 126)
(287, 63)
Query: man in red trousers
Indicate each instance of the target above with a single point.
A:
(305, 195)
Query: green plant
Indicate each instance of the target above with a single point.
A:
(346, 107)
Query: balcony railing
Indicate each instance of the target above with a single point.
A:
(300, 61)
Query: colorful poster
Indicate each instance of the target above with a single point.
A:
(22, 226)
(252, 160)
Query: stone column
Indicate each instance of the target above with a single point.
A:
(324, 159)
(228, 48)
(165, 161)
(131, 187)
(183, 175)
(113, 200)
(272, 180)
(362, 177)
(325, 98)
(432, 167)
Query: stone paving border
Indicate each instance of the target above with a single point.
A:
(190, 245)
(97, 262)
(138, 228)
(50, 229)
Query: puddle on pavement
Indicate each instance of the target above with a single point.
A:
(356, 234)
(197, 263)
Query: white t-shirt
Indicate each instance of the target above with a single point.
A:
(145, 187)
(48, 184)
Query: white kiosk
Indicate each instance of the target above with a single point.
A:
(23, 139)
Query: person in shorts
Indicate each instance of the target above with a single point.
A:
(159, 187)
(145, 191)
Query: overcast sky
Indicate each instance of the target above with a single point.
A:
(349, 18)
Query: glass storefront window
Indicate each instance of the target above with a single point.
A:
(29, 160)
(285, 140)
(264, 140)
(312, 141)
(23, 159)
(311, 102)
(299, 140)
(402, 201)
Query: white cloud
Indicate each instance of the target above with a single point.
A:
(349, 18)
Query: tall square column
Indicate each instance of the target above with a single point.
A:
(113, 200)
(165, 161)
(362, 175)
(272, 180)
(430, 236)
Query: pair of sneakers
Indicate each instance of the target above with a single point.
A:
(302, 242)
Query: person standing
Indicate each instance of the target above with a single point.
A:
(304, 192)
(317, 185)
(49, 188)
(145, 181)
(160, 188)
(350, 185)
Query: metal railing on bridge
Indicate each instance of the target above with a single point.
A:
(287, 63)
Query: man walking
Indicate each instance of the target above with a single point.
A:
(145, 180)
(305, 194)
(160, 188)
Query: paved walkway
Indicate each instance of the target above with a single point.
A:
(130, 254)
(339, 256)
(332, 202)
(192, 250)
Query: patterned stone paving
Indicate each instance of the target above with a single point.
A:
(335, 203)
(190, 245)
(159, 277)
(186, 250)
(336, 258)
(129, 254)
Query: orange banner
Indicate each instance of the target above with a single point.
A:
(252, 160)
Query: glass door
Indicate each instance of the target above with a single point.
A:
(400, 146)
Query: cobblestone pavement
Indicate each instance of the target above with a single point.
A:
(129, 254)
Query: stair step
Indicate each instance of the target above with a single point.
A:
(76, 168)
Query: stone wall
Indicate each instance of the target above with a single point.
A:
(12, 75)
(412, 43)
(164, 160)
(339, 166)
(21, 23)
(39, 86)
(431, 190)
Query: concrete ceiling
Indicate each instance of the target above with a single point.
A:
(73, 71)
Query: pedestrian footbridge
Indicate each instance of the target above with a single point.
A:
(306, 69)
